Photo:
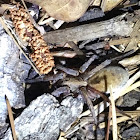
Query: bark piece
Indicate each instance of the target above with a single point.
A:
(44, 117)
(115, 26)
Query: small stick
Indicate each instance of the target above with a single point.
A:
(68, 54)
(47, 21)
(122, 55)
(10, 34)
(134, 60)
(58, 24)
(86, 64)
(115, 48)
(42, 18)
(133, 114)
(119, 120)
(11, 118)
(114, 131)
(111, 42)
(68, 70)
(82, 45)
(74, 47)
(93, 71)
(131, 72)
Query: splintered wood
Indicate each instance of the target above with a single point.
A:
(40, 54)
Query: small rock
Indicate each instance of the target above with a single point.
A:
(44, 117)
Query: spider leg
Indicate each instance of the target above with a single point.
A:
(89, 103)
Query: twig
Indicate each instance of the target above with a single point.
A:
(20, 48)
(116, 26)
(100, 45)
(119, 120)
(93, 71)
(40, 22)
(86, 64)
(115, 48)
(83, 44)
(68, 54)
(122, 56)
(114, 131)
(133, 114)
(58, 24)
(131, 72)
(74, 47)
(11, 118)
(68, 70)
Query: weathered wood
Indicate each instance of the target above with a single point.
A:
(115, 26)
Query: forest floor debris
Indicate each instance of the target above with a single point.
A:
(90, 70)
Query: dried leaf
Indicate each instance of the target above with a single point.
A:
(67, 10)
(108, 5)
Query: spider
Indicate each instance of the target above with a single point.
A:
(98, 85)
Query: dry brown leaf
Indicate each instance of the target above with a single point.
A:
(66, 10)
(108, 5)
(11, 118)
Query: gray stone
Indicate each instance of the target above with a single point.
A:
(44, 117)
(13, 71)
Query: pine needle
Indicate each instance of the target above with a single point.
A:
(114, 130)
(132, 87)
(11, 118)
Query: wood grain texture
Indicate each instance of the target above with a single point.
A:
(115, 26)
